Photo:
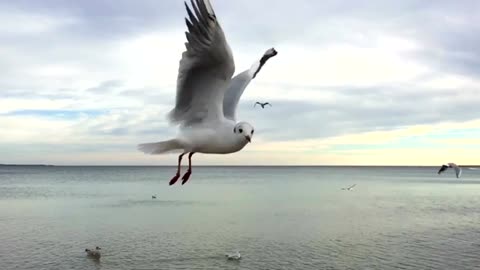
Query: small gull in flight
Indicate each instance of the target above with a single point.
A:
(458, 170)
(350, 187)
(207, 95)
(262, 104)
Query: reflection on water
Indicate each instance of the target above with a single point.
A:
(279, 218)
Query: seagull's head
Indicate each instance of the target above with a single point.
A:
(244, 131)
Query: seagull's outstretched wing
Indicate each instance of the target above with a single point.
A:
(206, 68)
(458, 170)
(352, 186)
(240, 82)
(442, 169)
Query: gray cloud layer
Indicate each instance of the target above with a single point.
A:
(447, 32)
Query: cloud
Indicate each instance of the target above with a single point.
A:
(97, 78)
(338, 111)
(69, 114)
(106, 86)
(8, 105)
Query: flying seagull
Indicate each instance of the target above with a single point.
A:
(207, 95)
(458, 170)
(262, 104)
(350, 187)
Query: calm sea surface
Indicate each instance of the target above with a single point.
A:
(277, 217)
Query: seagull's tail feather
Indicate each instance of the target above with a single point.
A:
(161, 147)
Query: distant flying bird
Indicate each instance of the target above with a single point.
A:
(350, 187)
(233, 256)
(458, 170)
(262, 104)
(94, 253)
(207, 95)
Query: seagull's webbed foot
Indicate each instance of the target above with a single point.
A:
(174, 179)
(186, 176)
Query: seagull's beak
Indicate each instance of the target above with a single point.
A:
(249, 139)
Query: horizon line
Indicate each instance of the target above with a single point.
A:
(86, 165)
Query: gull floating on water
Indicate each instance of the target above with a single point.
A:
(207, 95)
(94, 253)
(233, 256)
(262, 104)
(458, 170)
(350, 187)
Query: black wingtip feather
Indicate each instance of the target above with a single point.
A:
(203, 8)
(201, 19)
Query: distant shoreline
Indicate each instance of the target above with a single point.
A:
(240, 166)
(32, 165)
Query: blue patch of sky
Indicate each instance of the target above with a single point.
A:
(456, 134)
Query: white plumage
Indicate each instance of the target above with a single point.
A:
(233, 256)
(94, 253)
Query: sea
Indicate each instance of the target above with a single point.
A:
(276, 217)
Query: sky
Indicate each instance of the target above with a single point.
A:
(374, 82)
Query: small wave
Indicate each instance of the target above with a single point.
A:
(150, 202)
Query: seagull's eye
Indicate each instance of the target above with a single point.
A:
(241, 130)
(253, 131)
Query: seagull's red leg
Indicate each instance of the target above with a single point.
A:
(186, 176)
(175, 178)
